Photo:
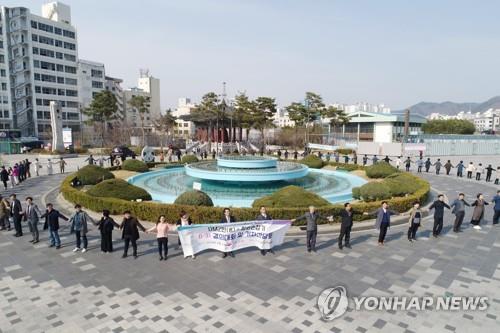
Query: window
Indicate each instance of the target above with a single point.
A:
(71, 104)
(48, 78)
(57, 31)
(60, 92)
(72, 82)
(2, 58)
(69, 46)
(35, 50)
(38, 102)
(49, 91)
(59, 55)
(34, 37)
(97, 84)
(38, 89)
(60, 68)
(2, 73)
(1, 44)
(6, 114)
(73, 116)
(70, 34)
(45, 27)
(33, 24)
(58, 43)
(36, 63)
(4, 86)
(70, 69)
(37, 77)
(60, 80)
(47, 53)
(96, 73)
(69, 57)
(72, 93)
(46, 40)
(47, 65)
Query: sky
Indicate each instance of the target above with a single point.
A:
(398, 52)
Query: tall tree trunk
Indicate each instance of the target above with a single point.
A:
(240, 133)
(143, 132)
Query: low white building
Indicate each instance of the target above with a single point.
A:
(282, 119)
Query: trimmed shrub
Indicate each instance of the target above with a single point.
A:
(135, 165)
(93, 174)
(402, 184)
(312, 161)
(291, 196)
(346, 167)
(188, 159)
(375, 191)
(380, 170)
(356, 193)
(120, 189)
(194, 198)
(344, 151)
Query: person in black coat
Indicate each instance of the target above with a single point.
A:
(130, 234)
(52, 223)
(4, 176)
(15, 212)
(438, 206)
(227, 218)
(106, 225)
(346, 225)
(264, 216)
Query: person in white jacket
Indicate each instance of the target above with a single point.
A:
(470, 169)
(479, 171)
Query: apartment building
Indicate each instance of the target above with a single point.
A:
(39, 64)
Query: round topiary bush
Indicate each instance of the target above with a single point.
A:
(194, 198)
(380, 170)
(188, 159)
(135, 165)
(401, 184)
(93, 174)
(120, 189)
(375, 191)
(312, 161)
(291, 196)
(356, 193)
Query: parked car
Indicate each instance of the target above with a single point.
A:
(122, 152)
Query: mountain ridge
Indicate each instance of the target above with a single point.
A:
(452, 108)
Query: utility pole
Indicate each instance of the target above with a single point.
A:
(406, 130)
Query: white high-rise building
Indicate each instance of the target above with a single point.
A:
(151, 85)
(38, 64)
(91, 80)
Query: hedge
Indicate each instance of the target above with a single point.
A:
(347, 167)
(120, 189)
(344, 151)
(188, 159)
(134, 165)
(194, 198)
(93, 174)
(151, 210)
(380, 170)
(290, 196)
(312, 161)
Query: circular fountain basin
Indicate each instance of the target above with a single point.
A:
(167, 184)
(210, 170)
(247, 162)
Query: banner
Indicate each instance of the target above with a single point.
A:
(226, 237)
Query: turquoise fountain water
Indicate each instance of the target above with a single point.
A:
(238, 180)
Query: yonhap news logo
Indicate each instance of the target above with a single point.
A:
(333, 303)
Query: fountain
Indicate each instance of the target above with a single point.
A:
(238, 180)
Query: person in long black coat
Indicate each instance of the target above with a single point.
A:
(130, 233)
(106, 225)
(227, 218)
(346, 225)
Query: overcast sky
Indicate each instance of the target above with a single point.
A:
(379, 51)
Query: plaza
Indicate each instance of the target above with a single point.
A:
(44, 290)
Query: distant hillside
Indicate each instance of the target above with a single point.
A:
(451, 108)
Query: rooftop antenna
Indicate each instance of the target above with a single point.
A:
(224, 91)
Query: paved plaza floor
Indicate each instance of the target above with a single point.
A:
(48, 290)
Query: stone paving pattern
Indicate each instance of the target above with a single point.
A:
(48, 290)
